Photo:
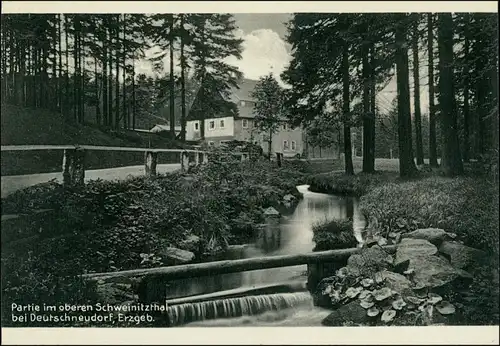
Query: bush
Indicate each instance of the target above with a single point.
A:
(334, 234)
(110, 225)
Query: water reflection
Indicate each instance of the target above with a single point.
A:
(292, 235)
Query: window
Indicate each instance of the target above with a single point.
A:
(294, 145)
(196, 126)
(284, 127)
(211, 125)
(285, 145)
(221, 124)
(244, 123)
(211, 143)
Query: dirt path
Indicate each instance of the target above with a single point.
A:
(13, 183)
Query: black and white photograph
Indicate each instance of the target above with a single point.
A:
(179, 169)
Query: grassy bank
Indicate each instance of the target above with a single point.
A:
(466, 206)
(25, 126)
(109, 226)
(349, 185)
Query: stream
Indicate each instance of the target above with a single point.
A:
(269, 297)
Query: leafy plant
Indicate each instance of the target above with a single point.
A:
(334, 234)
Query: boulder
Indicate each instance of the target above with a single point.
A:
(411, 248)
(396, 282)
(191, 243)
(433, 235)
(271, 213)
(461, 256)
(368, 261)
(351, 313)
(173, 255)
(429, 270)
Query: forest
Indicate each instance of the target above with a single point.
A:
(341, 62)
(67, 62)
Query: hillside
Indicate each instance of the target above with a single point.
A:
(22, 126)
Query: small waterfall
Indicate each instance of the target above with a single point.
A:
(235, 307)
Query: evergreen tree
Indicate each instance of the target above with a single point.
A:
(213, 40)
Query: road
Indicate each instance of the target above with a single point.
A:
(13, 183)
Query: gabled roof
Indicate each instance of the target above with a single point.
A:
(244, 93)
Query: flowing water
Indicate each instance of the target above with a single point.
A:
(266, 297)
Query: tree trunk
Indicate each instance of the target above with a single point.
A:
(406, 164)
(373, 102)
(81, 57)
(183, 84)
(451, 162)
(416, 93)
(45, 71)
(66, 92)
(201, 96)
(368, 151)
(111, 116)
(105, 111)
(97, 100)
(432, 112)
(349, 169)
(133, 91)
(117, 75)
(172, 83)
(494, 103)
(22, 71)
(126, 124)
(466, 125)
(59, 80)
(77, 71)
(269, 151)
(4, 61)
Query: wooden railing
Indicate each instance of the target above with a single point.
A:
(73, 163)
(154, 280)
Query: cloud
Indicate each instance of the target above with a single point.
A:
(263, 52)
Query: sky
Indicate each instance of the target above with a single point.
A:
(265, 50)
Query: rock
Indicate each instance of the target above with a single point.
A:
(191, 243)
(396, 282)
(434, 235)
(368, 261)
(461, 256)
(382, 241)
(271, 212)
(289, 198)
(349, 313)
(411, 248)
(177, 256)
(433, 271)
(428, 270)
